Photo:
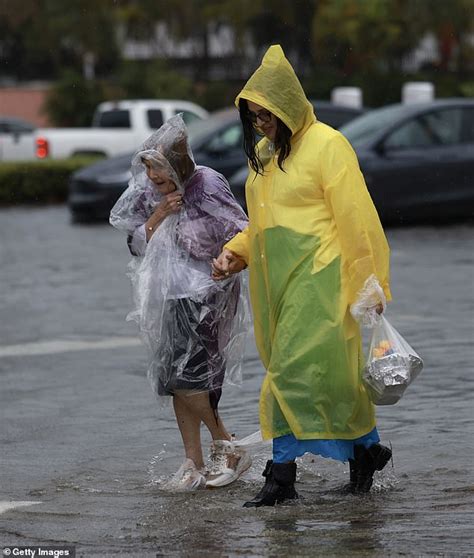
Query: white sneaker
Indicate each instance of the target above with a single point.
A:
(187, 478)
(227, 463)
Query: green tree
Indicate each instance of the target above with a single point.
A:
(365, 42)
(364, 35)
(188, 20)
(45, 36)
(26, 41)
(87, 28)
(73, 99)
(453, 24)
(152, 79)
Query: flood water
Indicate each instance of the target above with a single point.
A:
(83, 437)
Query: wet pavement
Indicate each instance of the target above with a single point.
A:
(84, 445)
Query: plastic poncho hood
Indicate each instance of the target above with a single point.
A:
(275, 86)
(192, 326)
(167, 150)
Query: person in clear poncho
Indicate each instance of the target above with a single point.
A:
(315, 249)
(177, 216)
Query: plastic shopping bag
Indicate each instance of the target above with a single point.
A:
(392, 365)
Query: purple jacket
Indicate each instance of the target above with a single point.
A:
(211, 216)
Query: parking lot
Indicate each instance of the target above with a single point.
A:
(84, 444)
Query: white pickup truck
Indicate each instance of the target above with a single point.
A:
(117, 127)
(16, 139)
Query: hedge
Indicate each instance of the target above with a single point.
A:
(38, 182)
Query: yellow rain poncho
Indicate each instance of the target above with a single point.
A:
(314, 238)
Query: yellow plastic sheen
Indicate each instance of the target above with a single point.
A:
(313, 238)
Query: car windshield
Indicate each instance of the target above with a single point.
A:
(361, 130)
(199, 129)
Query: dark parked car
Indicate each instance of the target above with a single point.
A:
(216, 142)
(417, 160)
(335, 115)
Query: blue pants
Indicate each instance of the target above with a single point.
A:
(287, 448)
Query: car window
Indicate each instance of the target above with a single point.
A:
(441, 127)
(411, 134)
(201, 129)
(115, 118)
(155, 118)
(468, 124)
(20, 128)
(230, 138)
(188, 116)
(365, 128)
(446, 125)
(15, 127)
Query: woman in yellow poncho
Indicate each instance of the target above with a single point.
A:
(314, 246)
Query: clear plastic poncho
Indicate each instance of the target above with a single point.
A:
(194, 328)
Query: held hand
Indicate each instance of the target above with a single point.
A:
(226, 264)
(171, 203)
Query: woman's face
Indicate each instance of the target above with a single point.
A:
(263, 119)
(160, 178)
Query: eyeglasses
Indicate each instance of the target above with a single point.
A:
(262, 115)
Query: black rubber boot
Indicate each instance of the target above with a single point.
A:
(267, 473)
(279, 485)
(351, 485)
(367, 461)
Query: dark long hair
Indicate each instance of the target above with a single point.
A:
(282, 140)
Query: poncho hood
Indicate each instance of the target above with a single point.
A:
(274, 86)
(167, 149)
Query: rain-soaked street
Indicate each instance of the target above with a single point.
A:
(84, 446)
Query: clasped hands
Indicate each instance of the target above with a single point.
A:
(226, 265)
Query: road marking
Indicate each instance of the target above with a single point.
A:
(6, 506)
(64, 346)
